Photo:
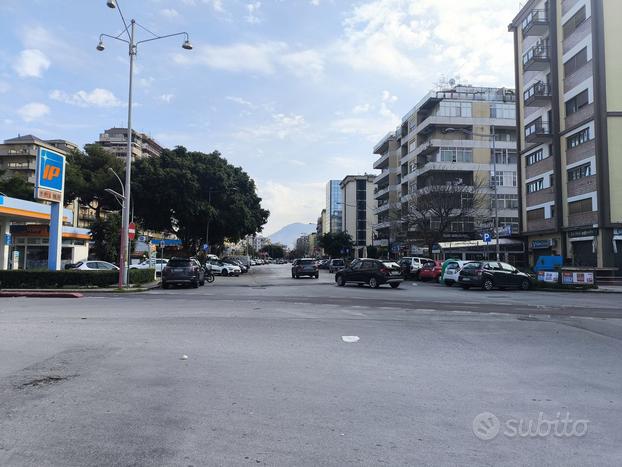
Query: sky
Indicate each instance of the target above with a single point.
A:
(297, 92)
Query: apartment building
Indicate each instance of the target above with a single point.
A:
(334, 208)
(358, 216)
(568, 75)
(448, 138)
(387, 190)
(19, 155)
(115, 141)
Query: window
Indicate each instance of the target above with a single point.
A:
(573, 23)
(552, 180)
(505, 135)
(578, 139)
(505, 202)
(456, 154)
(503, 111)
(552, 210)
(506, 156)
(582, 171)
(454, 109)
(535, 127)
(535, 157)
(581, 206)
(577, 103)
(502, 178)
(535, 214)
(575, 62)
(536, 185)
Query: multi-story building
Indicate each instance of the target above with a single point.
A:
(448, 138)
(334, 207)
(387, 190)
(114, 140)
(568, 74)
(358, 216)
(18, 156)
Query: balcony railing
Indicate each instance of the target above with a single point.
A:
(537, 95)
(537, 58)
(537, 132)
(536, 23)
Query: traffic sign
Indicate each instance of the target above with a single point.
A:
(487, 237)
(131, 231)
(162, 243)
(205, 247)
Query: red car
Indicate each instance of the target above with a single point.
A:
(431, 271)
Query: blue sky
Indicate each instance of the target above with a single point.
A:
(295, 91)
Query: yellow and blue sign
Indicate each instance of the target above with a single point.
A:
(50, 170)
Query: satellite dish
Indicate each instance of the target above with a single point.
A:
(452, 82)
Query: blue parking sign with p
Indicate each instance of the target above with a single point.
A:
(51, 170)
(487, 238)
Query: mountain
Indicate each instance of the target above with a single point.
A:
(288, 234)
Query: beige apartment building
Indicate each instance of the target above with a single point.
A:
(115, 141)
(447, 138)
(568, 76)
(358, 216)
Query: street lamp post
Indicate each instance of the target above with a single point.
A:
(130, 31)
(492, 137)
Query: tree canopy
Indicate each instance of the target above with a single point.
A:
(273, 251)
(336, 244)
(16, 186)
(180, 191)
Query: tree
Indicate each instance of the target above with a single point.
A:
(336, 244)
(88, 175)
(273, 251)
(16, 186)
(106, 235)
(180, 191)
(441, 206)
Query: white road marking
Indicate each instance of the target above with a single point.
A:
(350, 339)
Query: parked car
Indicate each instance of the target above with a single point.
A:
(185, 271)
(452, 271)
(305, 267)
(412, 264)
(158, 265)
(95, 266)
(336, 265)
(431, 271)
(491, 274)
(372, 272)
(238, 263)
(224, 269)
(324, 264)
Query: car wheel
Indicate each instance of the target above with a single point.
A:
(195, 284)
(165, 285)
(341, 281)
(525, 285)
(225, 272)
(395, 285)
(465, 287)
(488, 285)
(293, 276)
(373, 283)
(210, 278)
(317, 276)
(202, 283)
(449, 283)
(438, 279)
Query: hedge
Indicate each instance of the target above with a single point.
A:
(21, 279)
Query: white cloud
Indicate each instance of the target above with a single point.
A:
(33, 111)
(31, 63)
(252, 10)
(370, 121)
(282, 126)
(167, 97)
(315, 2)
(304, 64)
(240, 101)
(169, 13)
(362, 108)
(304, 202)
(96, 98)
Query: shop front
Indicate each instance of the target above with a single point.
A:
(583, 247)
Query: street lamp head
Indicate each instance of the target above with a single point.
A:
(187, 45)
(100, 46)
(111, 3)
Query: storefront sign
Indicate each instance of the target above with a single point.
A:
(548, 276)
(542, 244)
(577, 278)
(583, 233)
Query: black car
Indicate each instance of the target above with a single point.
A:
(183, 271)
(370, 271)
(491, 274)
(305, 267)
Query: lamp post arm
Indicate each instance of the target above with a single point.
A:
(164, 37)
(117, 38)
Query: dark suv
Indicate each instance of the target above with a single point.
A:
(305, 267)
(183, 271)
(491, 274)
(371, 271)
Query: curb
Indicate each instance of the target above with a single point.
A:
(600, 291)
(42, 294)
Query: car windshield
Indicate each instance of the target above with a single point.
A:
(179, 263)
(306, 262)
(472, 266)
(337, 262)
(391, 265)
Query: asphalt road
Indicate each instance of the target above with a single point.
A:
(270, 380)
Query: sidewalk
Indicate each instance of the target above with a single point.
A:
(61, 293)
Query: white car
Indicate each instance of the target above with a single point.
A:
(95, 266)
(224, 269)
(452, 271)
(159, 265)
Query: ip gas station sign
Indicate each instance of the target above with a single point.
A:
(50, 176)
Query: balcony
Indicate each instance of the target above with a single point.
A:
(382, 162)
(381, 192)
(538, 58)
(382, 208)
(538, 132)
(536, 23)
(538, 95)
